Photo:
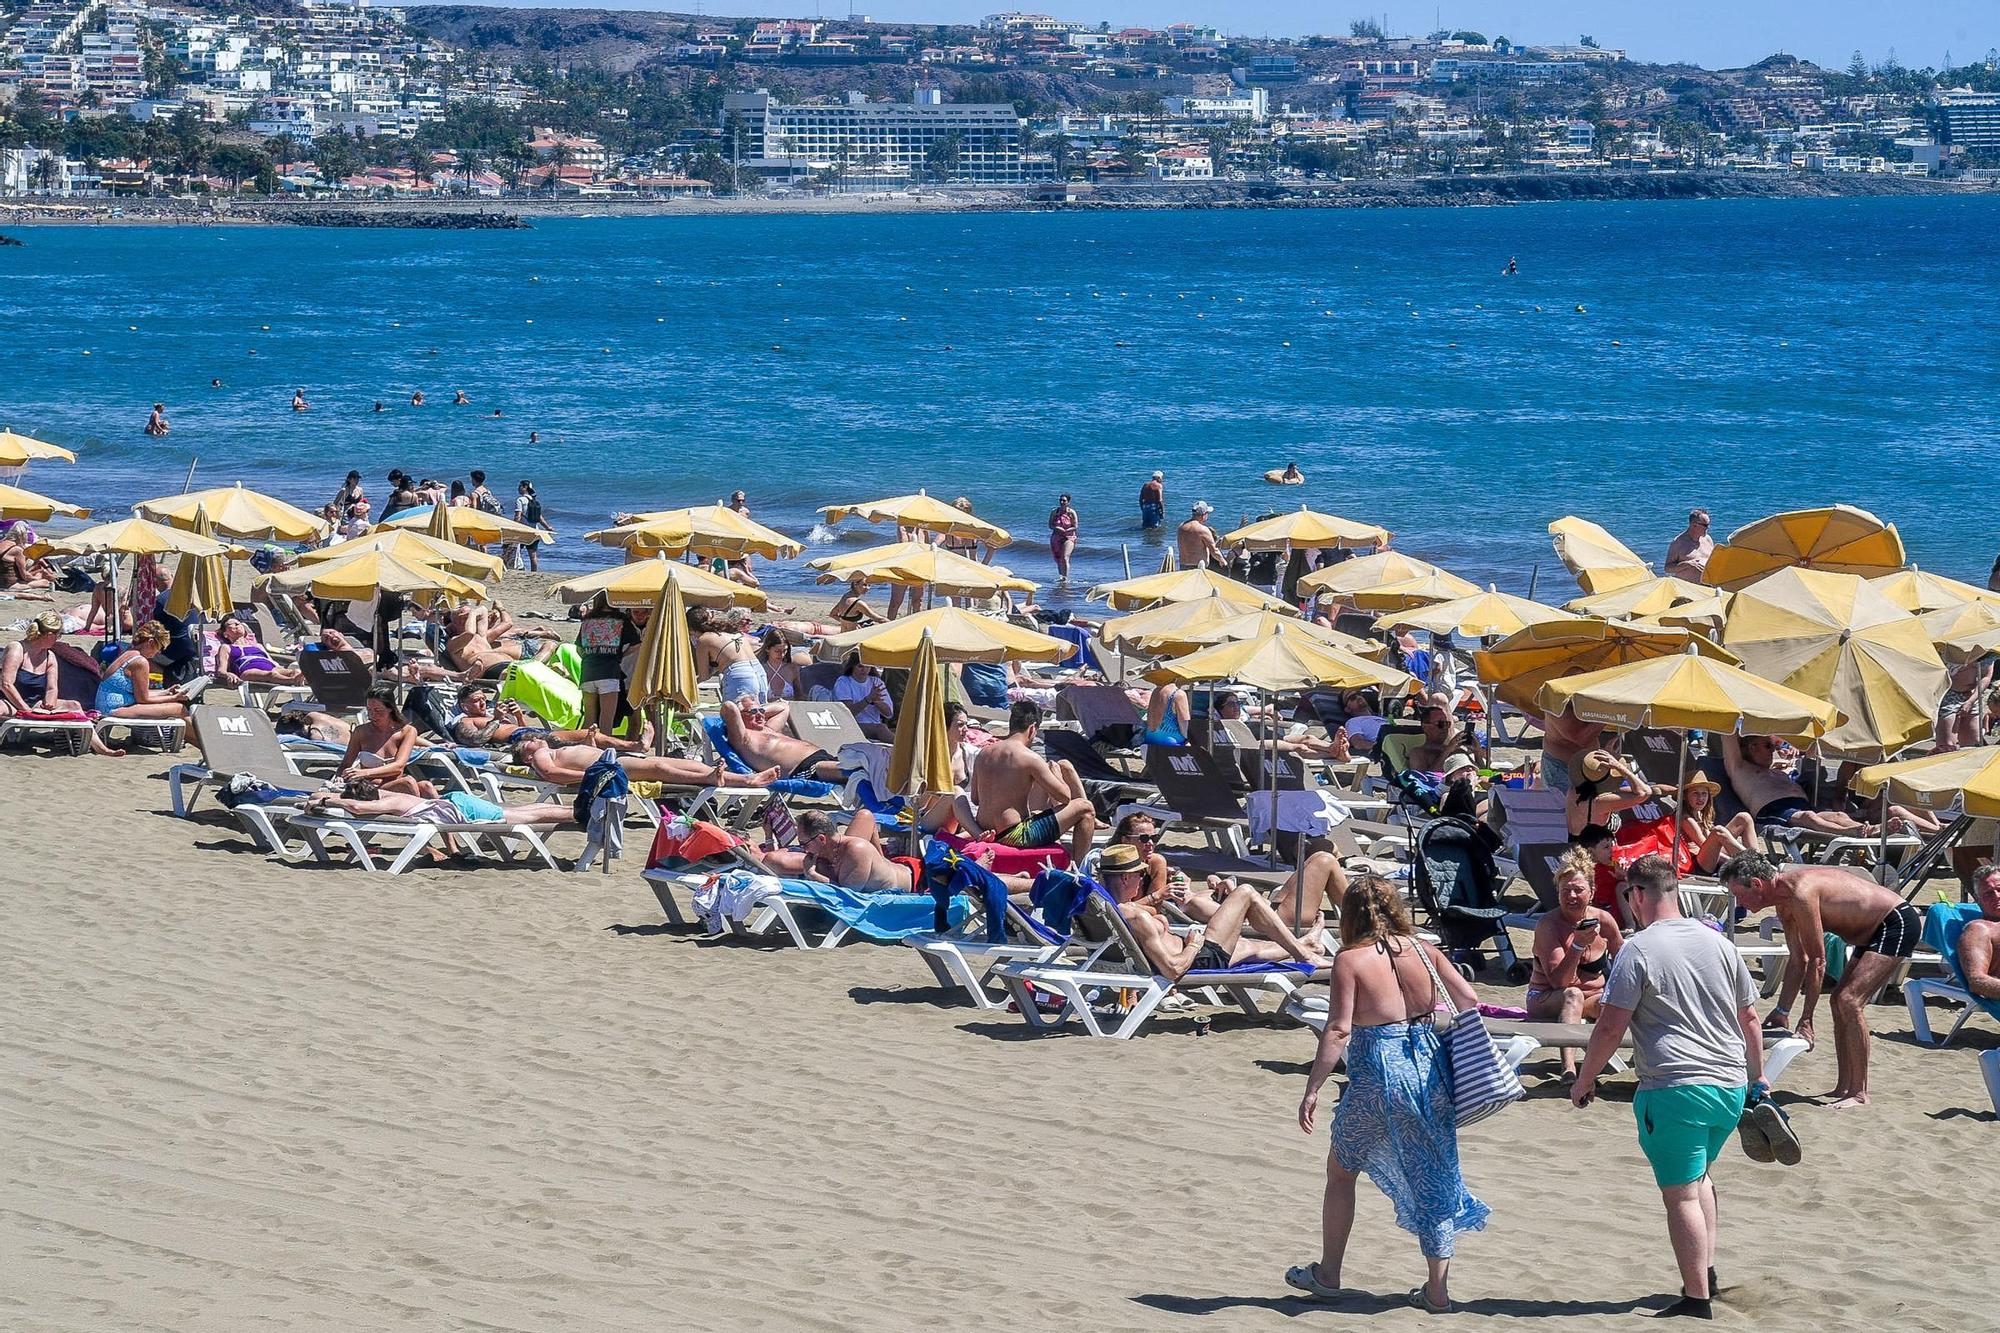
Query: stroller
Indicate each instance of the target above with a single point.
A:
(1458, 885)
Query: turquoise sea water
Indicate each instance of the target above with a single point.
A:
(1744, 355)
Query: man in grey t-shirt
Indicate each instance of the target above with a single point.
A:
(1683, 991)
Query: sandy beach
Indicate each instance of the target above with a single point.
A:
(246, 1093)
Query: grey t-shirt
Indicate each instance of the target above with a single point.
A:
(1684, 984)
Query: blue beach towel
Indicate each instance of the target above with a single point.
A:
(879, 916)
(1943, 924)
(809, 789)
(952, 877)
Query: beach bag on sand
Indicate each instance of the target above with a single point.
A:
(1481, 1082)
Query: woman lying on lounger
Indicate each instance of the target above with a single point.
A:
(366, 800)
(240, 659)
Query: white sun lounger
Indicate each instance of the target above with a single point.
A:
(415, 836)
(73, 735)
(963, 962)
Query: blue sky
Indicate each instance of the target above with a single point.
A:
(1716, 33)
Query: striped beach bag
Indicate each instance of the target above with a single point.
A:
(1481, 1082)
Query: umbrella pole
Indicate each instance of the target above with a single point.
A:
(1126, 551)
(1882, 874)
(1680, 798)
(1271, 772)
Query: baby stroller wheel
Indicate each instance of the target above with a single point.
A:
(1465, 970)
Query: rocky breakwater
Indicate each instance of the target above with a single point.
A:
(357, 217)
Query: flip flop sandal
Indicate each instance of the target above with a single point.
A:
(1304, 1277)
(1421, 1299)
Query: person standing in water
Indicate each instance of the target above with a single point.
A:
(156, 424)
(1153, 502)
(1062, 536)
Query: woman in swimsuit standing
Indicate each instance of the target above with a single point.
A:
(1062, 536)
(1574, 946)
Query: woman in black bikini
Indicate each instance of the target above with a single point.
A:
(1574, 946)
(1604, 784)
(852, 610)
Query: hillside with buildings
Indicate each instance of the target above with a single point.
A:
(331, 97)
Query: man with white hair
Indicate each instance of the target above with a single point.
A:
(1153, 501)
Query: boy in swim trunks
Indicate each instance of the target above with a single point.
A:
(1022, 800)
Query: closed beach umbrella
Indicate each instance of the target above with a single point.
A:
(1956, 782)
(1600, 562)
(1306, 530)
(412, 548)
(1485, 615)
(21, 450)
(1367, 571)
(1424, 590)
(1520, 664)
(1917, 591)
(640, 584)
(468, 525)
(1688, 691)
(200, 580)
(1965, 632)
(1649, 597)
(921, 565)
(28, 507)
(1838, 539)
(1833, 637)
(923, 512)
(663, 671)
(707, 530)
(236, 512)
(361, 577)
(1181, 585)
(920, 761)
(954, 635)
(440, 528)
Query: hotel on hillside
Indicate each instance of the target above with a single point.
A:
(873, 142)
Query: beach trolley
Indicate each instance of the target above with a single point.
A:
(1458, 886)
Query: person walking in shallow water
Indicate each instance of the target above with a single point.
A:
(1062, 536)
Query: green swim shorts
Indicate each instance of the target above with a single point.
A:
(1684, 1129)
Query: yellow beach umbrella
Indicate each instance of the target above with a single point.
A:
(920, 761)
(1424, 590)
(1305, 530)
(1645, 598)
(1185, 627)
(20, 450)
(1956, 782)
(1833, 637)
(1837, 539)
(1705, 614)
(925, 513)
(640, 583)
(235, 511)
(1367, 571)
(136, 536)
(663, 671)
(369, 573)
(955, 635)
(440, 527)
(1520, 664)
(1686, 691)
(1281, 663)
(921, 565)
(1916, 591)
(28, 507)
(412, 548)
(1180, 585)
(1600, 562)
(468, 525)
(200, 580)
(708, 530)
(1485, 615)
(1963, 633)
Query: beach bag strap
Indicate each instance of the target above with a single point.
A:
(1481, 1082)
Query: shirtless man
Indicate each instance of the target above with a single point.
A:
(1566, 738)
(1441, 741)
(1881, 930)
(1195, 540)
(565, 766)
(1218, 944)
(1021, 800)
(477, 641)
(755, 733)
(1979, 941)
(483, 722)
(1775, 801)
(852, 862)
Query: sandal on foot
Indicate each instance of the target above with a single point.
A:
(1305, 1277)
(1421, 1298)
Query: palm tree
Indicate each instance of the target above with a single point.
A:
(468, 162)
(559, 157)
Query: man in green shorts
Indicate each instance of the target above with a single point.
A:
(1683, 991)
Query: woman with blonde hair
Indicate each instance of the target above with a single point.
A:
(1574, 948)
(1395, 1121)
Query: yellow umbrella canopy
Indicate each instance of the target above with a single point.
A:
(1963, 633)
(663, 672)
(367, 573)
(1181, 585)
(920, 564)
(1520, 664)
(1958, 781)
(1306, 530)
(412, 548)
(1685, 691)
(1282, 662)
(925, 513)
(1916, 591)
(441, 528)
(1705, 613)
(1489, 614)
(1649, 597)
(235, 511)
(468, 525)
(1600, 562)
(1367, 571)
(1838, 539)
(20, 450)
(1834, 637)
(920, 760)
(1165, 628)
(1424, 590)
(955, 635)
(28, 507)
(710, 530)
(200, 580)
(640, 582)
(136, 536)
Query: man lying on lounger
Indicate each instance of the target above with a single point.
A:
(1774, 800)
(755, 732)
(565, 766)
(483, 722)
(1219, 944)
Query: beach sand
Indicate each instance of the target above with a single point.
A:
(242, 1093)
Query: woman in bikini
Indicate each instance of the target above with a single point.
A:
(1574, 946)
(852, 610)
(1604, 784)
(240, 659)
(380, 748)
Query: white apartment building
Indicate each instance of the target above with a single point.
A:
(885, 141)
(1183, 164)
(1252, 104)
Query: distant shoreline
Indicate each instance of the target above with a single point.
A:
(1425, 192)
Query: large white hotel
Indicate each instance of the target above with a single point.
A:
(873, 141)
